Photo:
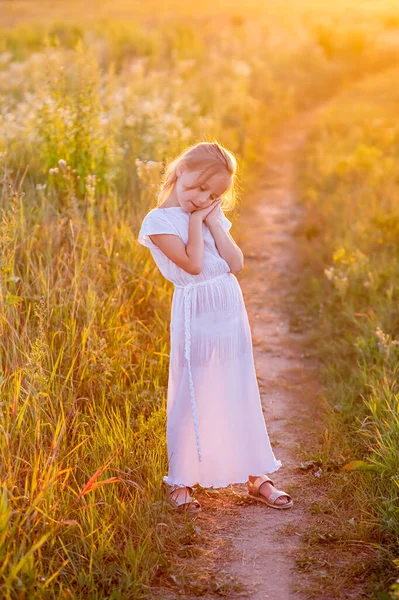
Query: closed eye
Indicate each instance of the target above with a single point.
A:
(203, 190)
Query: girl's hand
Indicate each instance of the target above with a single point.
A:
(204, 212)
(214, 215)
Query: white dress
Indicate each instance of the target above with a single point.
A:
(216, 433)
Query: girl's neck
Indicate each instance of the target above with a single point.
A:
(171, 201)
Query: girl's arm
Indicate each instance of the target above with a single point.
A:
(188, 257)
(226, 246)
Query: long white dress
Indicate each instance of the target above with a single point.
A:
(216, 433)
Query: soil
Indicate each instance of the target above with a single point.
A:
(268, 541)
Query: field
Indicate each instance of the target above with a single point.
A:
(93, 101)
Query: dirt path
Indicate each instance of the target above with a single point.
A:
(241, 548)
(268, 541)
(249, 542)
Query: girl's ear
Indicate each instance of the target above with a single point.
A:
(180, 169)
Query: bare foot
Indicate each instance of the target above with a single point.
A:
(267, 488)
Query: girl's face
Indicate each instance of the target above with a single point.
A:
(201, 196)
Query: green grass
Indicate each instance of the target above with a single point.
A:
(349, 187)
(91, 111)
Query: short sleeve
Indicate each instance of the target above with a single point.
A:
(225, 222)
(156, 221)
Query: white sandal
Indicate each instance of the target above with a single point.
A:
(253, 491)
(191, 504)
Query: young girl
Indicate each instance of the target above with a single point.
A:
(216, 433)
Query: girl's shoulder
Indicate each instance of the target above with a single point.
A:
(159, 220)
(171, 213)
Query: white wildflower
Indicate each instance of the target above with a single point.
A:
(186, 65)
(241, 68)
(185, 133)
(137, 65)
(104, 118)
(329, 273)
(384, 343)
(5, 57)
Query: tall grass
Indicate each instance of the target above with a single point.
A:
(349, 178)
(89, 115)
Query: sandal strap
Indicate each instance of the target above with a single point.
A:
(186, 503)
(277, 494)
(177, 486)
(195, 502)
(255, 485)
(181, 502)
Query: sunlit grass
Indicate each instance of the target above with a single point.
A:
(349, 184)
(89, 113)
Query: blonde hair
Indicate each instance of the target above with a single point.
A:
(207, 157)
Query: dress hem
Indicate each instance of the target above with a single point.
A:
(217, 485)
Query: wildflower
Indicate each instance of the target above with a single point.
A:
(384, 343)
(90, 184)
(62, 163)
(241, 68)
(186, 65)
(104, 118)
(185, 133)
(339, 254)
(5, 57)
(329, 273)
